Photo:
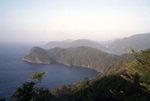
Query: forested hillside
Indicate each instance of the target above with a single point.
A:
(129, 84)
(81, 56)
(37, 55)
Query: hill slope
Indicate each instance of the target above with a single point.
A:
(80, 56)
(37, 55)
(137, 42)
(61, 44)
(130, 84)
(76, 43)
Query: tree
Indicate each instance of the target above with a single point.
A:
(37, 76)
(140, 69)
(27, 92)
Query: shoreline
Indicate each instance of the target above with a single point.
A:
(68, 65)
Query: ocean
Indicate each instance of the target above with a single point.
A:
(14, 71)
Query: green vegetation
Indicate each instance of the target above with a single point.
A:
(37, 76)
(104, 88)
(81, 56)
(128, 83)
(27, 92)
(141, 68)
(37, 55)
(132, 85)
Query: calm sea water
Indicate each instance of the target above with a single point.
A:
(14, 71)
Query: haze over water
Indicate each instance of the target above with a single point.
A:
(31, 21)
(49, 20)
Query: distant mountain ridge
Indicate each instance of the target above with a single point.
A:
(76, 43)
(137, 42)
(86, 53)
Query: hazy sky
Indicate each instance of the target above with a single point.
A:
(47, 20)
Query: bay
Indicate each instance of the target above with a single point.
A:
(14, 71)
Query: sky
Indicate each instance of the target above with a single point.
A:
(57, 20)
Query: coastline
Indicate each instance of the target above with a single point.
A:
(68, 65)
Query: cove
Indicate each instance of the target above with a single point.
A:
(14, 71)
